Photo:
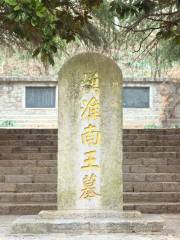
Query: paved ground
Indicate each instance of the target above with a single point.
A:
(171, 232)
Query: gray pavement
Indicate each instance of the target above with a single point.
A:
(171, 232)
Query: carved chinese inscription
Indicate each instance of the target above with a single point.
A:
(91, 110)
(90, 161)
(91, 136)
(91, 81)
(89, 187)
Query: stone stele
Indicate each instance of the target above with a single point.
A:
(90, 134)
(90, 186)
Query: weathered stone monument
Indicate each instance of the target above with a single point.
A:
(90, 148)
(90, 187)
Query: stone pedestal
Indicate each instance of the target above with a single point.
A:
(108, 223)
(90, 186)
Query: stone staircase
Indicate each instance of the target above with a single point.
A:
(28, 170)
(152, 170)
(28, 162)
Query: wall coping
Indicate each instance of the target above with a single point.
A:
(150, 80)
(54, 79)
(28, 79)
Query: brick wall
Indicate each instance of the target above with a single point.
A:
(12, 104)
(28, 170)
(15, 115)
(144, 117)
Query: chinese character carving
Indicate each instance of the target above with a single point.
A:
(89, 187)
(91, 80)
(90, 162)
(91, 110)
(91, 136)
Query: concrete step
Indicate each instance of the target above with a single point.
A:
(27, 187)
(131, 197)
(27, 156)
(45, 178)
(73, 225)
(17, 137)
(151, 131)
(34, 149)
(151, 177)
(147, 137)
(25, 209)
(27, 131)
(28, 163)
(35, 208)
(151, 168)
(28, 149)
(53, 149)
(151, 186)
(36, 187)
(40, 178)
(14, 143)
(154, 207)
(151, 161)
(39, 170)
(17, 163)
(135, 137)
(150, 143)
(31, 197)
(125, 131)
(151, 148)
(27, 170)
(126, 142)
(130, 155)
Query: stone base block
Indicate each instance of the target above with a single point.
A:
(71, 214)
(39, 225)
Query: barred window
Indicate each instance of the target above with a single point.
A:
(136, 97)
(40, 97)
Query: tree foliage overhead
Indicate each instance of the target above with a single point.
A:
(152, 20)
(47, 25)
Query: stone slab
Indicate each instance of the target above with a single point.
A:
(171, 231)
(38, 225)
(90, 237)
(60, 214)
(90, 133)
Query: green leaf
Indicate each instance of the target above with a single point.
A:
(33, 22)
(54, 48)
(51, 59)
(36, 52)
(40, 14)
(19, 31)
(113, 6)
(178, 4)
(17, 7)
(11, 16)
(177, 39)
(147, 5)
(11, 2)
(167, 34)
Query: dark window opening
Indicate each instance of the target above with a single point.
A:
(40, 97)
(136, 97)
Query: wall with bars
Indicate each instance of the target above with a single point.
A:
(16, 114)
